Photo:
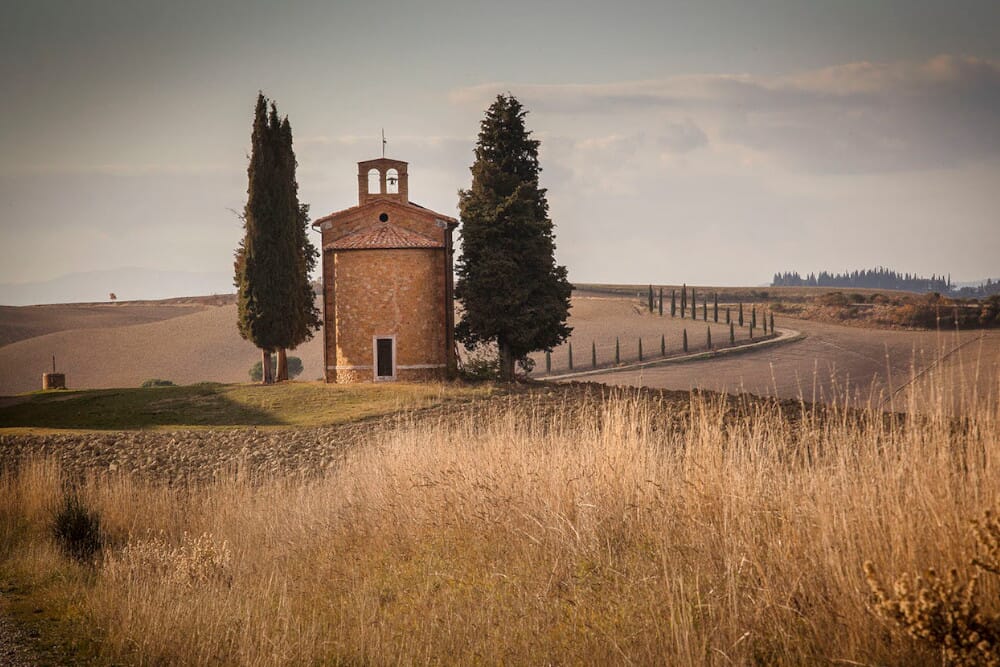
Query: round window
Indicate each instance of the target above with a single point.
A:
(383, 217)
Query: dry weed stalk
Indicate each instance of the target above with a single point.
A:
(945, 611)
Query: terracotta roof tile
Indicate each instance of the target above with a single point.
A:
(383, 235)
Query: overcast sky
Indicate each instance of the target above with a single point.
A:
(704, 142)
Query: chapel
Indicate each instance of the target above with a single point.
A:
(388, 304)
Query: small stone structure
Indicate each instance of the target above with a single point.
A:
(388, 310)
(53, 381)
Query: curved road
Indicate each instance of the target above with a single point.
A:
(834, 361)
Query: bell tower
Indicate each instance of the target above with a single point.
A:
(382, 178)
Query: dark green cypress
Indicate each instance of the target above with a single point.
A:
(640, 349)
(650, 299)
(663, 345)
(512, 291)
(772, 322)
(694, 305)
(684, 340)
(728, 319)
(715, 308)
(753, 317)
(732, 334)
(618, 351)
(704, 310)
(741, 315)
(593, 354)
(548, 361)
(673, 303)
(275, 302)
(661, 302)
(684, 300)
(571, 356)
(708, 337)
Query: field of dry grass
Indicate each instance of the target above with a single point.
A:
(595, 531)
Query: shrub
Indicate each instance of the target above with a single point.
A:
(294, 368)
(834, 299)
(157, 382)
(482, 364)
(76, 529)
(944, 611)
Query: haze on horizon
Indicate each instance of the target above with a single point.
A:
(703, 142)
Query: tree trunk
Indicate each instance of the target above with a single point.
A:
(282, 370)
(506, 362)
(266, 376)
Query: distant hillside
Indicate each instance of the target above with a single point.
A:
(128, 284)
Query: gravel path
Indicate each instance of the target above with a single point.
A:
(14, 651)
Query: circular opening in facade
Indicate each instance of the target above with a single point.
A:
(383, 217)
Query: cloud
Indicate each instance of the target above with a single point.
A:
(853, 118)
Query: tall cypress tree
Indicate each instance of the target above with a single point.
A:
(513, 292)
(276, 307)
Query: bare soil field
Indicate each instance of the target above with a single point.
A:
(183, 343)
(834, 362)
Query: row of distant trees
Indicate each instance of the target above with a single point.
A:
(877, 278)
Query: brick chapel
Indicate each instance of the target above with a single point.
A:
(388, 287)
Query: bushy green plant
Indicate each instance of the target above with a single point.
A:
(294, 368)
(157, 382)
(76, 529)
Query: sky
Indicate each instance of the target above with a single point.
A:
(713, 143)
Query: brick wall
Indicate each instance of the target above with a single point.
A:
(397, 292)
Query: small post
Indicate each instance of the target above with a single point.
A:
(618, 351)
(640, 349)
(685, 340)
(593, 354)
(571, 356)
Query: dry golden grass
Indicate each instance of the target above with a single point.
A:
(603, 535)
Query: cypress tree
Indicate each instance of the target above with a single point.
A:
(661, 302)
(275, 302)
(715, 308)
(732, 334)
(513, 292)
(704, 310)
(684, 300)
(618, 351)
(741, 315)
(663, 345)
(708, 337)
(640, 349)
(548, 361)
(593, 354)
(753, 317)
(651, 298)
(684, 340)
(772, 322)
(571, 356)
(673, 303)
(728, 319)
(694, 306)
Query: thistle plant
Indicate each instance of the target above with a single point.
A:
(944, 611)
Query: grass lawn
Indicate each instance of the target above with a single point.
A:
(212, 405)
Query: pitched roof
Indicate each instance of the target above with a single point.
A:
(383, 235)
(383, 202)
